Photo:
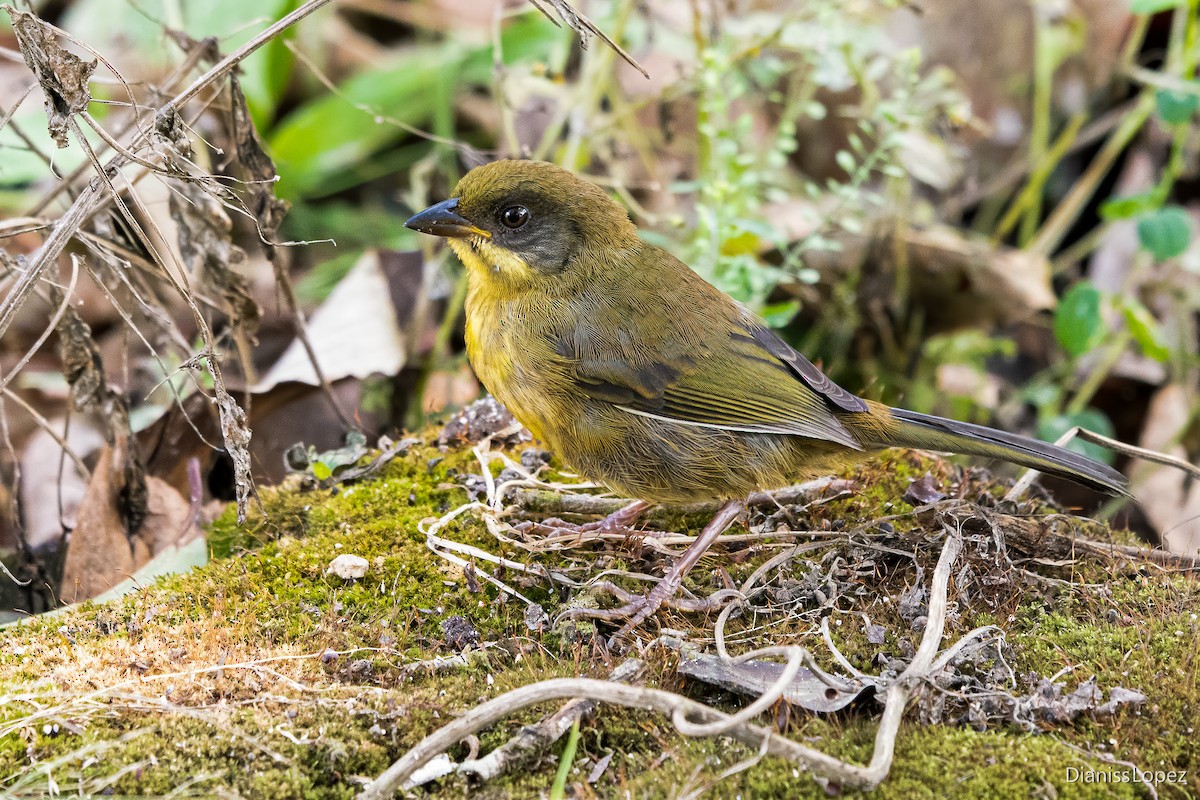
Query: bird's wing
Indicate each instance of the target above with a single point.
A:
(805, 370)
(751, 382)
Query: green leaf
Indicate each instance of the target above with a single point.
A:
(779, 314)
(558, 790)
(1129, 206)
(321, 147)
(1176, 108)
(1165, 233)
(1145, 330)
(1152, 6)
(1050, 429)
(328, 462)
(1044, 396)
(1077, 320)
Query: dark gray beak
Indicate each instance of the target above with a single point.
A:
(443, 220)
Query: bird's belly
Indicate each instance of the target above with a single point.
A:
(667, 462)
(651, 459)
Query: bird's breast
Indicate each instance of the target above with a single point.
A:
(512, 356)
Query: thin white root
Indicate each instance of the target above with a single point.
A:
(700, 719)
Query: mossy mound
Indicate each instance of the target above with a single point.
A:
(264, 675)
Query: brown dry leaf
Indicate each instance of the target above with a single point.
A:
(1169, 497)
(264, 207)
(207, 248)
(81, 363)
(236, 436)
(63, 76)
(1015, 281)
(752, 678)
(185, 431)
(484, 418)
(101, 553)
(84, 371)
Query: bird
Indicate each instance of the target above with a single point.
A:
(643, 376)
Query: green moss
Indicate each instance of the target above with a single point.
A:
(277, 721)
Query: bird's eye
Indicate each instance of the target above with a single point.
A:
(514, 216)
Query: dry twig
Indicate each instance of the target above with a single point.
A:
(693, 718)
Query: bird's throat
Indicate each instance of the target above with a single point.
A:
(502, 270)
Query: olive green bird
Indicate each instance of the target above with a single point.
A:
(645, 377)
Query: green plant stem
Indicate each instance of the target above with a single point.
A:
(508, 121)
(1064, 216)
(596, 72)
(1181, 55)
(1078, 251)
(559, 788)
(1029, 201)
(1181, 62)
(415, 417)
(1133, 43)
(1087, 390)
(1039, 135)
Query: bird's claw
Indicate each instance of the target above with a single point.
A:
(554, 526)
(637, 609)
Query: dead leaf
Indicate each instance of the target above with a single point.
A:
(753, 678)
(101, 552)
(1170, 498)
(960, 281)
(63, 76)
(1047, 703)
(52, 487)
(357, 332)
(264, 207)
(923, 492)
(483, 418)
(236, 435)
(81, 363)
(460, 633)
(207, 248)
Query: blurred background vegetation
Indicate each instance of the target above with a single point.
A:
(986, 210)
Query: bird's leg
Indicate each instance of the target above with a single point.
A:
(673, 580)
(636, 611)
(619, 520)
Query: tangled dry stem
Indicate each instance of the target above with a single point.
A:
(692, 718)
(63, 77)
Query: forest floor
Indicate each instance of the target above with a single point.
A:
(273, 672)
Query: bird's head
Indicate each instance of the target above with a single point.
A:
(522, 222)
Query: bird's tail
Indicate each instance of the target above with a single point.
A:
(926, 432)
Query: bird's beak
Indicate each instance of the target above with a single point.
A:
(443, 220)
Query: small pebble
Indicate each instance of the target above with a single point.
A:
(348, 567)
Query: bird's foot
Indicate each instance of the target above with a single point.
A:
(637, 609)
(620, 521)
(633, 601)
